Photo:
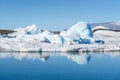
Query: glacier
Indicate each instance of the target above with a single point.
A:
(77, 38)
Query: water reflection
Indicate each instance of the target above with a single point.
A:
(77, 57)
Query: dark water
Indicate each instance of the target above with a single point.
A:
(59, 66)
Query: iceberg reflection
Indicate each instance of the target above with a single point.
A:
(80, 58)
(77, 57)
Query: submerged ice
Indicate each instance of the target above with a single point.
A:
(33, 39)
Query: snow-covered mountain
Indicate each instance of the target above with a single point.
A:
(115, 25)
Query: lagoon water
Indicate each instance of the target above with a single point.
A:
(59, 66)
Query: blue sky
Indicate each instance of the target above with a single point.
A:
(56, 14)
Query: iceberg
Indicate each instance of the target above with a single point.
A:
(80, 33)
(108, 35)
(77, 38)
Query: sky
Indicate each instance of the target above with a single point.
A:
(56, 14)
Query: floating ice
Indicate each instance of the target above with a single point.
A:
(79, 33)
(77, 38)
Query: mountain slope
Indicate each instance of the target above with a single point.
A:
(114, 25)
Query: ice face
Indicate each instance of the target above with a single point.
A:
(83, 29)
(79, 33)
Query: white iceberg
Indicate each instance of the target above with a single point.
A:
(78, 38)
(78, 33)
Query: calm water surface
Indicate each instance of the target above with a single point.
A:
(59, 66)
